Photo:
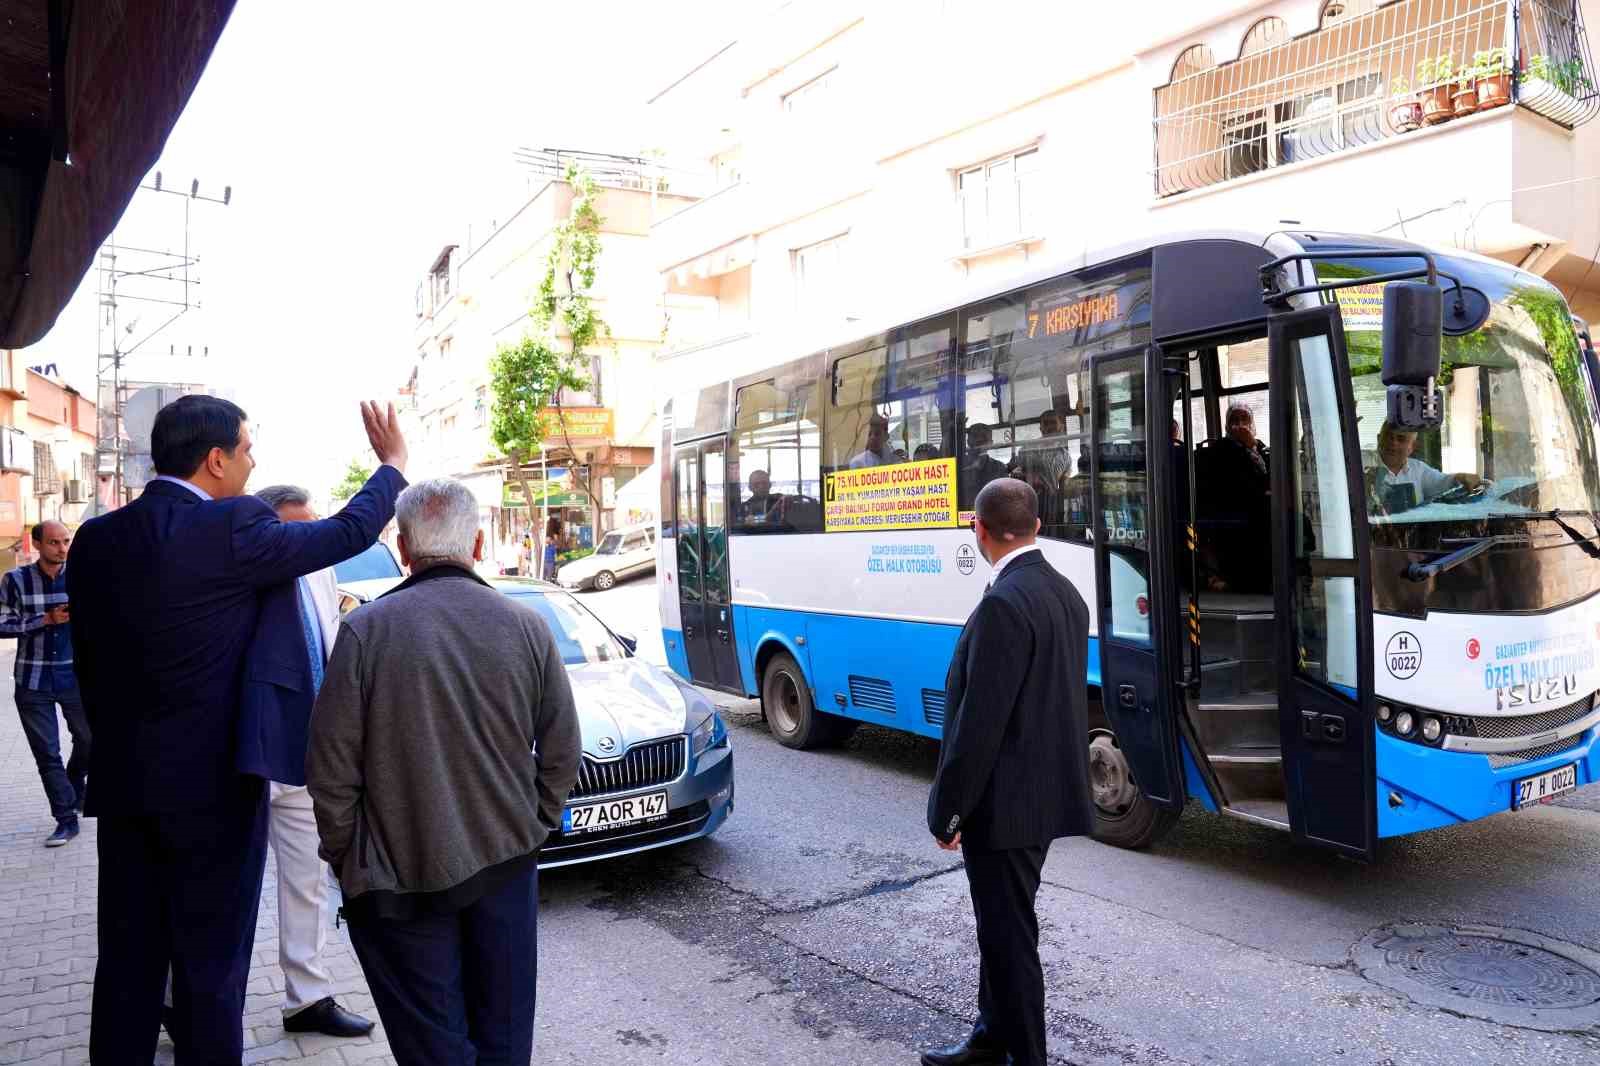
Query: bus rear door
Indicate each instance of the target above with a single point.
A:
(700, 488)
(1322, 586)
(1136, 591)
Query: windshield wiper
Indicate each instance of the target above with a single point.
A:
(1424, 571)
(1586, 543)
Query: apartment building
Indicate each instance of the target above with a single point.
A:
(475, 296)
(47, 455)
(876, 156)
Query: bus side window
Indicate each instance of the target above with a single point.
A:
(892, 399)
(775, 469)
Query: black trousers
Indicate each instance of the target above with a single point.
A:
(1010, 977)
(457, 989)
(179, 890)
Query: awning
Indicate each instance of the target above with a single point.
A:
(72, 158)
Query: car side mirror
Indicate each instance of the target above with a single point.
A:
(1413, 342)
(629, 641)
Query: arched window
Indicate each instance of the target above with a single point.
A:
(1268, 33)
(1337, 11)
(1196, 59)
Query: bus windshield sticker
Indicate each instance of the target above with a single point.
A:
(917, 495)
(1361, 308)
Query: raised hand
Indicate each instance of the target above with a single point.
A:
(383, 433)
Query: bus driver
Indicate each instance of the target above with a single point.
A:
(1400, 482)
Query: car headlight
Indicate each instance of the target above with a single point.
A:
(711, 733)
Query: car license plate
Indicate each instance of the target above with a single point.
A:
(1544, 786)
(612, 814)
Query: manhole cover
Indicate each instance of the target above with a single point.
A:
(1502, 975)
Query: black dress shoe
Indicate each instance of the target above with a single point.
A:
(966, 1053)
(327, 1017)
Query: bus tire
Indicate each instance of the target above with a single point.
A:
(1123, 816)
(790, 710)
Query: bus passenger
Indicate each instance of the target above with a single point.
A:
(1400, 482)
(1047, 468)
(979, 467)
(925, 452)
(878, 451)
(762, 505)
(1235, 504)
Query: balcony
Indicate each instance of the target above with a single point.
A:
(1370, 73)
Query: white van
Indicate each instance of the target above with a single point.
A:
(622, 553)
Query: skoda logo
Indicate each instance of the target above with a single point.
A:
(608, 745)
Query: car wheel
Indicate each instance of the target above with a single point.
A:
(791, 711)
(604, 580)
(1123, 816)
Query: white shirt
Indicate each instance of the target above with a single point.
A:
(191, 486)
(870, 458)
(1007, 559)
(1427, 481)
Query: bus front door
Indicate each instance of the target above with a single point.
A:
(1322, 586)
(700, 483)
(1136, 590)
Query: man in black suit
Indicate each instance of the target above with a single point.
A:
(1013, 768)
(165, 596)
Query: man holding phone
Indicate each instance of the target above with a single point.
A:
(33, 609)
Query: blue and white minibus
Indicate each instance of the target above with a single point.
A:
(1331, 500)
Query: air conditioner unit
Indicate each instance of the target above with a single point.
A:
(75, 493)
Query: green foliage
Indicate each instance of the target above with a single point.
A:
(1567, 76)
(1400, 88)
(574, 555)
(1490, 63)
(1435, 71)
(355, 476)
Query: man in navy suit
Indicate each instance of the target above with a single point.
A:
(166, 595)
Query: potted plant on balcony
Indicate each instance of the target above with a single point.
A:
(1433, 89)
(1464, 97)
(1405, 110)
(1494, 78)
(1542, 76)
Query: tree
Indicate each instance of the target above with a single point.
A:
(526, 378)
(355, 476)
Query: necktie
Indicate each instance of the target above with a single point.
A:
(313, 634)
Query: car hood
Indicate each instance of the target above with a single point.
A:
(370, 589)
(588, 566)
(627, 701)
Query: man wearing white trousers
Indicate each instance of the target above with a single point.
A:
(284, 670)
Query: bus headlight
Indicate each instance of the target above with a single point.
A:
(1404, 724)
(1385, 713)
(1431, 729)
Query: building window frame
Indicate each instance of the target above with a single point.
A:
(824, 296)
(998, 186)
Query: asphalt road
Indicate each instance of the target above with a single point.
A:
(823, 926)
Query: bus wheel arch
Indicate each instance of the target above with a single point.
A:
(789, 705)
(1123, 816)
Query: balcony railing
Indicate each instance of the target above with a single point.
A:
(613, 171)
(1374, 73)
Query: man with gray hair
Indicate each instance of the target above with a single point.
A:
(443, 745)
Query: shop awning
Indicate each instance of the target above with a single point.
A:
(89, 92)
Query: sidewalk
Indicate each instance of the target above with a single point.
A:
(47, 938)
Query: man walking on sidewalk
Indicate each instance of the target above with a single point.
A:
(33, 609)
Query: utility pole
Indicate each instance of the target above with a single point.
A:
(156, 280)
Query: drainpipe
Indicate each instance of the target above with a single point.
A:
(1533, 255)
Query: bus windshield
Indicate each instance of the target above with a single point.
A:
(1518, 435)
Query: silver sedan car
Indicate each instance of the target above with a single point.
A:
(657, 766)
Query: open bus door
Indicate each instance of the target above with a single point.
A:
(1322, 586)
(700, 492)
(1136, 588)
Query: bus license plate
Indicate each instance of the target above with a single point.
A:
(613, 814)
(1545, 786)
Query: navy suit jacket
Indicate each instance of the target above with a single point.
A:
(275, 705)
(166, 595)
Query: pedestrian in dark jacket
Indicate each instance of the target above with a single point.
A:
(443, 745)
(1013, 766)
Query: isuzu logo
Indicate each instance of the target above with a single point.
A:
(1546, 690)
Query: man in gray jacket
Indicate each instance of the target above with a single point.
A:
(443, 745)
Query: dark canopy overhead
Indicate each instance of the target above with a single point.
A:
(89, 91)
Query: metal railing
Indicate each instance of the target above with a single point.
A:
(612, 171)
(1376, 73)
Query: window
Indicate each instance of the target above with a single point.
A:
(422, 298)
(996, 200)
(444, 347)
(441, 280)
(818, 276)
(893, 399)
(813, 95)
(449, 425)
(775, 472)
(480, 407)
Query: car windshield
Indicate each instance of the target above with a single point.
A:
(611, 544)
(579, 634)
(372, 564)
(1518, 435)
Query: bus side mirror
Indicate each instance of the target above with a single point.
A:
(1413, 341)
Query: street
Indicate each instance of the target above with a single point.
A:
(822, 925)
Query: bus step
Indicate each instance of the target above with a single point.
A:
(1248, 756)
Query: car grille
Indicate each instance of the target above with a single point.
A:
(1530, 725)
(655, 762)
(1512, 758)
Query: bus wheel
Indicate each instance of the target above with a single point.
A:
(1123, 817)
(604, 580)
(791, 713)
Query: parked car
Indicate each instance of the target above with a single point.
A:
(367, 576)
(622, 553)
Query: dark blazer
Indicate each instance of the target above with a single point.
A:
(165, 596)
(275, 703)
(1014, 763)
